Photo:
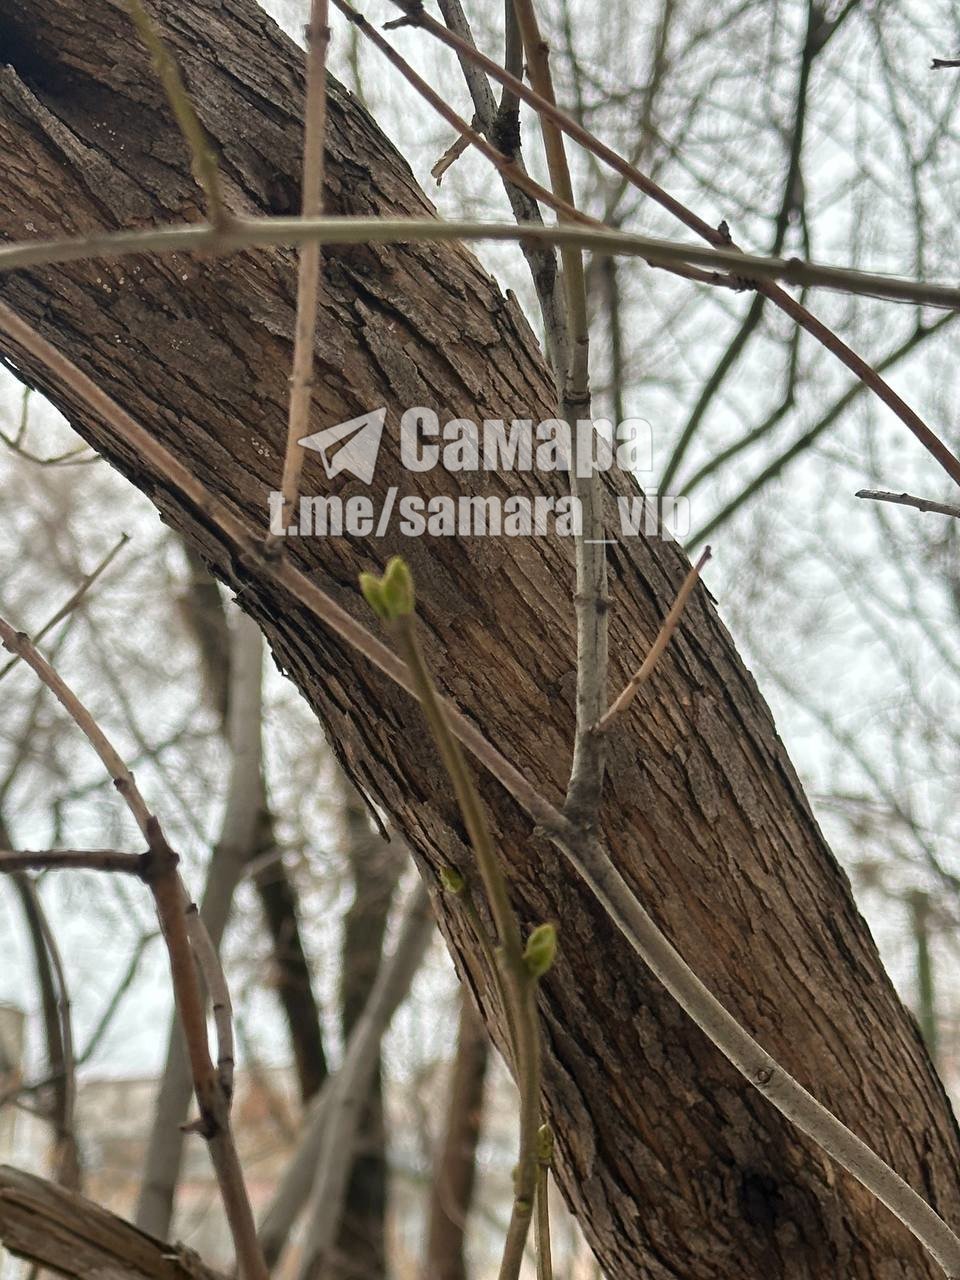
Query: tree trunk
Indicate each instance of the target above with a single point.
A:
(674, 1167)
(66, 1153)
(292, 980)
(455, 1170)
(375, 867)
(205, 617)
(239, 833)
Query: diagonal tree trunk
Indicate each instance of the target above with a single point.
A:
(455, 1168)
(674, 1167)
(375, 867)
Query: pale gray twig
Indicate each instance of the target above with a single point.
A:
(908, 500)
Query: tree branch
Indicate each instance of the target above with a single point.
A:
(390, 987)
(717, 237)
(172, 902)
(591, 600)
(908, 500)
(60, 1231)
(308, 277)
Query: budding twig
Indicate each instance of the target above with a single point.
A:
(392, 598)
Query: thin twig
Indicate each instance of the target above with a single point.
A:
(392, 597)
(221, 1006)
(113, 1004)
(133, 864)
(673, 255)
(505, 165)
(501, 126)
(69, 605)
(348, 1095)
(326, 1123)
(585, 785)
(308, 274)
(588, 857)
(238, 838)
(908, 500)
(58, 1026)
(171, 901)
(68, 1156)
(716, 236)
(203, 160)
(460, 887)
(544, 1162)
(663, 636)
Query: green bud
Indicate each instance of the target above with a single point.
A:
(391, 596)
(452, 880)
(540, 950)
(398, 588)
(372, 589)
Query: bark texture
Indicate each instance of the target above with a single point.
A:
(60, 1231)
(675, 1168)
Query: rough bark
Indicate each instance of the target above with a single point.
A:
(674, 1167)
(60, 1231)
(454, 1174)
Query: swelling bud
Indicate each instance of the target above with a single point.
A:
(540, 950)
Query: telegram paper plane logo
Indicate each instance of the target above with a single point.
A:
(350, 446)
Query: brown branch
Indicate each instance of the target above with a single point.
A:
(719, 237)
(308, 277)
(60, 1231)
(717, 262)
(73, 859)
(501, 126)
(585, 784)
(229, 860)
(504, 164)
(660, 643)
(171, 902)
